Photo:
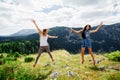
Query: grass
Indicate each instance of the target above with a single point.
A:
(19, 70)
(115, 56)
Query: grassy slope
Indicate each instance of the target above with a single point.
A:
(66, 62)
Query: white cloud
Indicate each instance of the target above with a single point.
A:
(17, 14)
(94, 11)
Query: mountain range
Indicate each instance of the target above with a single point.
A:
(107, 39)
(24, 32)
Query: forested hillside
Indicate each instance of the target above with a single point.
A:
(105, 40)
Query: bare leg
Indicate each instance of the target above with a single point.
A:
(82, 54)
(48, 50)
(91, 53)
(39, 54)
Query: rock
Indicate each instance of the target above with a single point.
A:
(102, 68)
(53, 63)
(103, 58)
(66, 65)
(98, 61)
(70, 73)
(90, 60)
(115, 67)
(87, 73)
(110, 67)
(76, 69)
(55, 74)
(67, 68)
(46, 65)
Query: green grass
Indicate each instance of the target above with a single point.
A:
(19, 70)
(28, 59)
(115, 56)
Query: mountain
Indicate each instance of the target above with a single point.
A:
(20, 35)
(107, 39)
(24, 32)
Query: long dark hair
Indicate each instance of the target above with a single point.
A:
(83, 32)
(44, 30)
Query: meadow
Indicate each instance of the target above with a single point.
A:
(65, 67)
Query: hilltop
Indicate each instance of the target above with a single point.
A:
(65, 67)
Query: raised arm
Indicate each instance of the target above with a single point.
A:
(39, 31)
(99, 26)
(75, 31)
(52, 36)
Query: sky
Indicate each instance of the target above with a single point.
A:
(16, 15)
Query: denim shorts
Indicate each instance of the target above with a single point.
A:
(86, 43)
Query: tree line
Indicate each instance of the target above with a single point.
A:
(23, 46)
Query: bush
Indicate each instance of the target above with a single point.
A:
(115, 56)
(2, 61)
(7, 71)
(29, 59)
(1, 56)
(10, 55)
(17, 54)
(10, 59)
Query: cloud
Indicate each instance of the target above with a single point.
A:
(94, 11)
(80, 2)
(17, 14)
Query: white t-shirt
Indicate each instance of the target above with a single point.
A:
(43, 40)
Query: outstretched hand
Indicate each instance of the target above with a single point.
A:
(56, 36)
(33, 20)
(99, 26)
(52, 36)
(101, 23)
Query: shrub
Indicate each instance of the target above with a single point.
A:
(9, 55)
(17, 54)
(115, 56)
(1, 56)
(29, 59)
(7, 71)
(2, 61)
(10, 59)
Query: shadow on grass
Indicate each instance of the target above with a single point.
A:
(96, 68)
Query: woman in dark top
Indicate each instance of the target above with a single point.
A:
(86, 42)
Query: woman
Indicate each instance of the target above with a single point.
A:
(43, 42)
(85, 33)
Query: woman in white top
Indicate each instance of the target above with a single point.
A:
(43, 42)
